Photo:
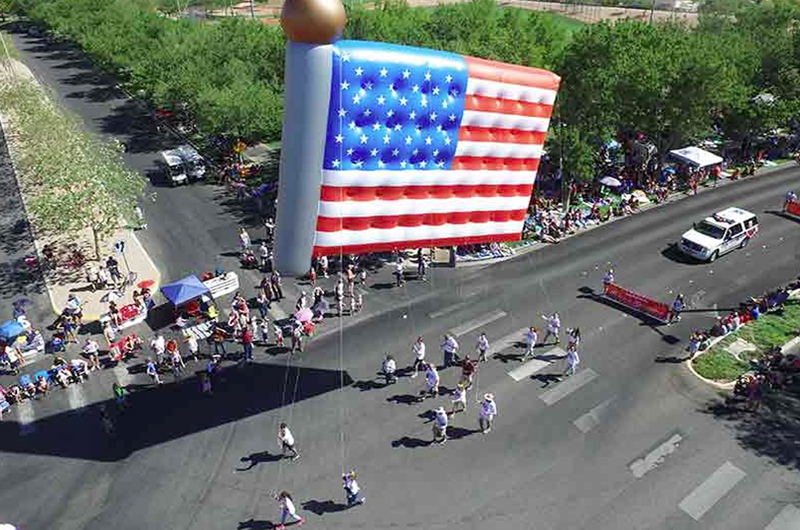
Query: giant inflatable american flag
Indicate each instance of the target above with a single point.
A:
(426, 148)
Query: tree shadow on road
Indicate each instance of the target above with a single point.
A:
(772, 432)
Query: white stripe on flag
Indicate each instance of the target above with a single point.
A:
(496, 89)
(498, 120)
(498, 149)
(412, 233)
(429, 177)
(421, 206)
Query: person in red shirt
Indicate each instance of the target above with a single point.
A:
(247, 343)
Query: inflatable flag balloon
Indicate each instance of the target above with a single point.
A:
(387, 147)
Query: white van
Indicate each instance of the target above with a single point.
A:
(714, 236)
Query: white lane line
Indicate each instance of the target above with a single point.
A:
(475, 323)
(592, 419)
(569, 386)
(509, 340)
(448, 309)
(76, 398)
(654, 458)
(707, 494)
(527, 369)
(124, 377)
(25, 417)
(787, 519)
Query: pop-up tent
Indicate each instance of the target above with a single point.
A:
(696, 157)
(184, 290)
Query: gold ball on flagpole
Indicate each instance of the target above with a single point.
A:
(313, 21)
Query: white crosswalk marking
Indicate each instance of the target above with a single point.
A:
(707, 494)
(527, 369)
(506, 342)
(787, 519)
(641, 466)
(592, 419)
(448, 309)
(25, 417)
(482, 320)
(569, 386)
(76, 398)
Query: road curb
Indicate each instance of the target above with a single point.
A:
(670, 200)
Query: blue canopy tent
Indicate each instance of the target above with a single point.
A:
(184, 290)
(11, 329)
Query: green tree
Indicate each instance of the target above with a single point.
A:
(574, 156)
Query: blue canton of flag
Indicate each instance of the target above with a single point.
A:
(393, 107)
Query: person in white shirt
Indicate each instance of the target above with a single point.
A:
(398, 272)
(264, 331)
(194, 346)
(440, 423)
(288, 510)
(572, 360)
(608, 278)
(389, 368)
(159, 346)
(459, 398)
(286, 440)
(574, 337)
(92, 350)
(450, 349)
(244, 239)
(264, 252)
(431, 382)
(553, 328)
(152, 371)
(419, 356)
(352, 489)
(482, 347)
(530, 340)
(487, 413)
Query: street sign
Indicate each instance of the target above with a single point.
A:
(120, 246)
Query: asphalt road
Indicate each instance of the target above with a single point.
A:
(627, 443)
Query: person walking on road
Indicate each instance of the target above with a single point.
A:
(398, 272)
(530, 339)
(467, 371)
(572, 360)
(275, 284)
(608, 279)
(92, 351)
(244, 240)
(419, 356)
(286, 441)
(431, 382)
(218, 338)
(263, 304)
(450, 349)
(440, 423)
(487, 413)
(152, 371)
(482, 347)
(422, 266)
(459, 399)
(193, 345)
(352, 489)
(675, 312)
(264, 254)
(247, 345)
(302, 302)
(288, 510)
(553, 328)
(297, 339)
(573, 337)
(388, 369)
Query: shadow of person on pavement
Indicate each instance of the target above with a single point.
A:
(410, 443)
(323, 507)
(257, 458)
(456, 433)
(547, 379)
(403, 399)
(252, 524)
(368, 384)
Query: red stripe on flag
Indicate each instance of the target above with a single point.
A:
(511, 73)
(417, 243)
(487, 163)
(478, 103)
(393, 193)
(489, 134)
(335, 224)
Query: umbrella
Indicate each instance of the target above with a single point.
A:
(146, 284)
(11, 329)
(304, 315)
(611, 182)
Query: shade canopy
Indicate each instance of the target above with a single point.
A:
(184, 290)
(696, 157)
(11, 329)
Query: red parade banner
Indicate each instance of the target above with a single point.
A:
(637, 302)
(793, 208)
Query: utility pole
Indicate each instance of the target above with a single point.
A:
(252, 9)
